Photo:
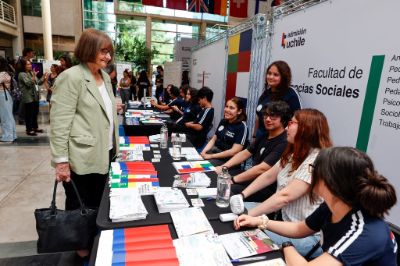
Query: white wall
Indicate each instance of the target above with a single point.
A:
(210, 61)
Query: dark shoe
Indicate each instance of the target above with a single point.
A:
(31, 133)
(38, 130)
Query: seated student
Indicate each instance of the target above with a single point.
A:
(231, 134)
(265, 151)
(197, 130)
(190, 111)
(351, 218)
(176, 100)
(164, 96)
(307, 133)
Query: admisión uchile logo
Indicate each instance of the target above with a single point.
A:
(294, 38)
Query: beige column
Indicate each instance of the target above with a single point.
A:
(148, 42)
(47, 35)
(203, 29)
(18, 41)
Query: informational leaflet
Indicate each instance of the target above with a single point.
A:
(193, 166)
(169, 199)
(201, 250)
(247, 243)
(191, 221)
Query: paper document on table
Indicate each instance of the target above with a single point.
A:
(201, 250)
(247, 243)
(210, 192)
(169, 199)
(190, 153)
(191, 221)
(126, 205)
(273, 262)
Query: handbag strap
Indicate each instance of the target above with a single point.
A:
(53, 201)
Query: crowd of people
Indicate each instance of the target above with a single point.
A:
(19, 84)
(324, 205)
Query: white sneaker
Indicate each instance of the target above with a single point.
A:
(236, 202)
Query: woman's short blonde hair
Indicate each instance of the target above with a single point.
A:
(90, 43)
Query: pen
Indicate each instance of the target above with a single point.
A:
(249, 259)
(210, 198)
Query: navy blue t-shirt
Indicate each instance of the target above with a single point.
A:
(204, 118)
(190, 113)
(178, 102)
(230, 133)
(291, 98)
(358, 239)
(268, 150)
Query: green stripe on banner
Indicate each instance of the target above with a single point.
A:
(369, 102)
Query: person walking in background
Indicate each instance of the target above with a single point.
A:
(65, 62)
(84, 123)
(28, 83)
(159, 82)
(356, 198)
(125, 87)
(133, 87)
(50, 78)
(8, 129)
(144, 85)
(277, 88)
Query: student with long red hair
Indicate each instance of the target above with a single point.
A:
(307, 133)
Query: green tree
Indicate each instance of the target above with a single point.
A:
(133, 49)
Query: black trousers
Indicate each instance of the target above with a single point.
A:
(90, 188)
(31, 114)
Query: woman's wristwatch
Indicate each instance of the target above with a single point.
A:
(264, 222)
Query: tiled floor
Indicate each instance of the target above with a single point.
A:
(27, 180)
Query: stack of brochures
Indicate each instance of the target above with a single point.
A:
(149, 245)
(201, 250)
(140, 143)
(191, 221)
(139, 175)
(192, 180)
(126, 205)
(169, 199)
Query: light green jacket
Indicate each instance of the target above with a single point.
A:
(28, 87)
(78, 122)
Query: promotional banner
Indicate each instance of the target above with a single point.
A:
(345, 61)
(208, 65)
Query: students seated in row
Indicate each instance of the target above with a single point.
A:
(197, 130)
(307, 133)
(231, 134)
(351, 218)
(190, 111)
(175, 100)
(265, 151)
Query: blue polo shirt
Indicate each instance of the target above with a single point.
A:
(231, 133)
(358, 239)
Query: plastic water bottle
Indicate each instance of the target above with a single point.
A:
(164, 137)
(223, 188)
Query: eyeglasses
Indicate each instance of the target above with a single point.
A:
(311, 168)
(271, 116)
(291, 122)
(105, 51)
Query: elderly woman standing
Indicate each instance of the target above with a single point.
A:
(84, 122)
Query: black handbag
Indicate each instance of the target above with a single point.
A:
(65, 230)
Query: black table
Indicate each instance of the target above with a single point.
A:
(166, 172)
(141, 129)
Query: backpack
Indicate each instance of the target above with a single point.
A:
(15, 91)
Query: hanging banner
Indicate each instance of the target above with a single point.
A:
(345, 65)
